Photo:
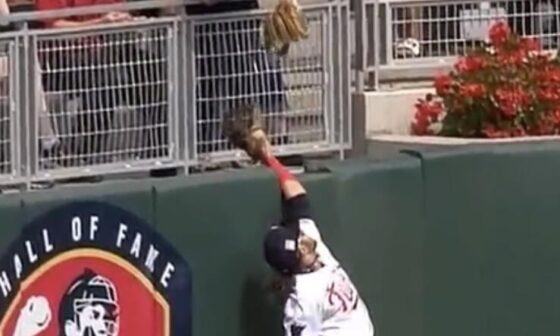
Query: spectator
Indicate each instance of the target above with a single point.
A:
(47, 136)
(108, 75)
(232, 68)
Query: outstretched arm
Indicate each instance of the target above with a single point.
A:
(294, 196)
(296, 206)
(241, 127)
(289, 184)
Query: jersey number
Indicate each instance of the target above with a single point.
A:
(342, 294)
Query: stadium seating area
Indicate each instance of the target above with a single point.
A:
(146, 90)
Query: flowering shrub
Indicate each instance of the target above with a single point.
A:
(508, 88)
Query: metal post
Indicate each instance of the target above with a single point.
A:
(26, 129)
(346, 126)
(189, 83)
(376, 43)
(361, 42)
(388, 42)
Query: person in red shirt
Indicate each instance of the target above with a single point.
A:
(47, 127)
(118, 81)
(80, 21)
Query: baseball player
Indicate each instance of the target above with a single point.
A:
(321, 299)
(89, 307)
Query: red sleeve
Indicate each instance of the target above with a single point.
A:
(50, 5)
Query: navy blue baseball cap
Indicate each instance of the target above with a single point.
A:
(281, 249)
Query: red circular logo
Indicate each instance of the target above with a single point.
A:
(87, 292)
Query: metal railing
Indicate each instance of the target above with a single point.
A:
(398, 40)
(150, 93)
(9, 157)
(296, 94)
(108, 97)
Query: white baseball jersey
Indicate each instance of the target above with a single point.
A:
(325, 302)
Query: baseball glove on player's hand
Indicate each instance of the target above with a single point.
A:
(286, 24)
(243, 129)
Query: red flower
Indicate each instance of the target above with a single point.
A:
(470, 64)
(421, 124)
(491, 131)
(520, 52)
(541, 61)
(430, 109)
(548, 75)
(554, 117)
(513, 82)
(436, 109)
(426, 113)
(529, 44)
(545, 127)
(517, 132)
(499, 34)
(473, 90)
(420, 127)
(442, 84)
(548, 94)
(511, 100)
(553, 76)
(513, 58)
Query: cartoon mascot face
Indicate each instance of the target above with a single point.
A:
(89, 307)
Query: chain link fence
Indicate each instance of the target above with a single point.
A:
(9, 141)
(412, 39)
(292, 92)
(151, 93)
(103, 97)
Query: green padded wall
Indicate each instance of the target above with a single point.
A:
(439, 242)
(137, 197)
(369, 214)
(11, 214)
(492, 252)
(381, 246)
(217, 222)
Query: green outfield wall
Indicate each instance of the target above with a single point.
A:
(442, 242)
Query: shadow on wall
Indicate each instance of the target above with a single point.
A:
(260, 312)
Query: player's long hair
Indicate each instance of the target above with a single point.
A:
(281, 286)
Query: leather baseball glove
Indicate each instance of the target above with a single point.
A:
(242, 127)
(285, 25)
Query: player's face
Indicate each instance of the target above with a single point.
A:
(100, 320)
(307, 251)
